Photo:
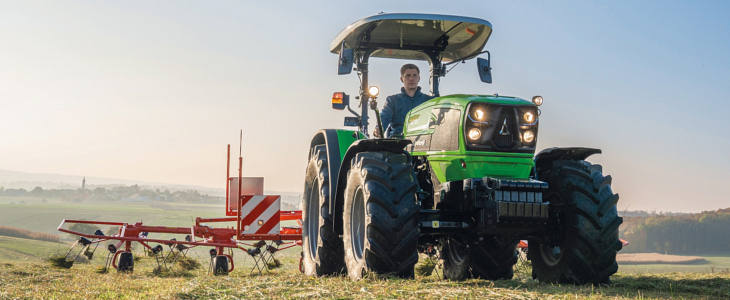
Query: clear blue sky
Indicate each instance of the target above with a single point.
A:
(154, 90)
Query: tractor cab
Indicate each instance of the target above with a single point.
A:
(441, 40)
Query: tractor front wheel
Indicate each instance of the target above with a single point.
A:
(583, 247)
(380, 215)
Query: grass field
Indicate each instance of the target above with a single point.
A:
(17, 249)
(37, 215)
(25, 274)
(716, 264)
(38, 280)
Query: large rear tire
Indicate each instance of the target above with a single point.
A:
(380, 215)
(585, 246)
(321, 246)
(494, 258)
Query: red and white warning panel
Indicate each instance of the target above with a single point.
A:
(249, 186)
(260, 214)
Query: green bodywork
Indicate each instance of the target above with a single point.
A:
(459, 164)
(448, 165)
(345, 138)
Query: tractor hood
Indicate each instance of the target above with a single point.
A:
(408, 36)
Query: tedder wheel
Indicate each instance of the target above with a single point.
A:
(322, 247)
(221, 265)
(493, 258)
(456, 258)
(584, 248)
(380, 215)
(126, 262)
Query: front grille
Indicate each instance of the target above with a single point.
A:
(505, 130)
(501, 132)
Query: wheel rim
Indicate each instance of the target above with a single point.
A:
(551, 255)
(357, 224)
(313, 218)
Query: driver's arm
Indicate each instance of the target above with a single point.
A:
(386, 115)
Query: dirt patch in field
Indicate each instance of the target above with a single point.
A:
(656, 258)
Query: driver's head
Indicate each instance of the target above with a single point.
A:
(410, 76)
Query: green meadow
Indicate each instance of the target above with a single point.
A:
(25, 271)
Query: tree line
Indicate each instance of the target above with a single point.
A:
(700, 233)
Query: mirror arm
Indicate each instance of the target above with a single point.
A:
(352, 111)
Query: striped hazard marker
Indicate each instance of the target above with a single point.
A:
(260, 214)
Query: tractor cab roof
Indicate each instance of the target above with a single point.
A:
(412, 36)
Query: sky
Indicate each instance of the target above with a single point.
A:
(154, 90)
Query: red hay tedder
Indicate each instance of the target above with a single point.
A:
(257, 232)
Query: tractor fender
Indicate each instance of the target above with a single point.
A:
(336, 141)
(389, 145)
(329, 138)
(545, 158)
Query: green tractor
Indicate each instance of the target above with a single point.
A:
(462, 182)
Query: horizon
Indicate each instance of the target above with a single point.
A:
(154, 91)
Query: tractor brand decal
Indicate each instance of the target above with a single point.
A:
(261, 214)
(505, 129)
(420, 142)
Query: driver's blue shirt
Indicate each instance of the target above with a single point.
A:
(395, 109)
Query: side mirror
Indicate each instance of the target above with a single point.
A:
(485, 71)
(347, 57)
(340, 100)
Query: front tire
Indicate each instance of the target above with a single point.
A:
(380, 215)
(583, 250)
(321, 246)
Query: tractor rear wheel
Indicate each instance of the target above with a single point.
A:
(380, 215)
(126, 262)
(583, 250)
(493, 258)
(456, 259)
(322, 247)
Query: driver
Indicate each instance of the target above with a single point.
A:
(397, 106)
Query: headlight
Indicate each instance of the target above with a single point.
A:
(480, 115)
(529, 117)
(528, 136)
(537, 100)
(373, 91)
(474, 134)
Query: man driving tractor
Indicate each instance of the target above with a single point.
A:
(397, 106)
